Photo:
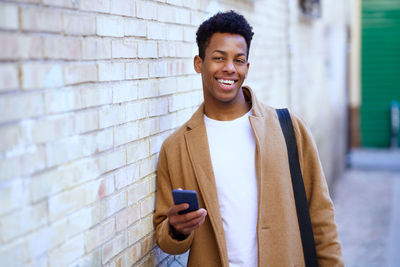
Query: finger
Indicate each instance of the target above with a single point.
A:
(193, 222)
(177, 208)
(193, 225)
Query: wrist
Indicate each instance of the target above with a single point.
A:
(176, 234)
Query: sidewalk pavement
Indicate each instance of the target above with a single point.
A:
(367, 202)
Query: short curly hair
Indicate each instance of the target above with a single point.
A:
(223, 22)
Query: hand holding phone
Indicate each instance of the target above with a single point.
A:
(185, 215)
(186, 196)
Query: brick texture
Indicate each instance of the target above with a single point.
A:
(89, 90)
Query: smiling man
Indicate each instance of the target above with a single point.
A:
(233, 154)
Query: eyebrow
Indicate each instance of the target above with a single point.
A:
(224, 53)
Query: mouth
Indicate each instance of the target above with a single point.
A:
(226, 84)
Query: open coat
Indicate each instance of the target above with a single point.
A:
(184, 162)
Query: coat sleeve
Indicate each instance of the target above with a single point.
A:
(320, 204)
(163, 202)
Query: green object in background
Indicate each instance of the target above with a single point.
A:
(380, 69)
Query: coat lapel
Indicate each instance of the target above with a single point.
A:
(197, 145)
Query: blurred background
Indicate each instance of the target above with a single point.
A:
(89, 89)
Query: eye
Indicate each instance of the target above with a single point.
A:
(218, 58)
(240, 61)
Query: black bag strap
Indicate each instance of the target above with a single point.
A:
(303, 215)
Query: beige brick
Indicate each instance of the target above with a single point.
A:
(147, 49)
(61, 3)
(125, 48)
(133, 214)
(96, 95)
(137, 70)
(9, 77)
(146, 10)
(158, 106)
(62, 100)
(137, 150)
(12, 136)
(11, 193)
(183, 16)
(62, 48)
(79, 73)
(47, 238)
(166, 14)
(91, 259)
(156, 31)
(58, 179)
(8, 16)
(96, 48)
(156, 142)
(134, 27)
(52, 128)
(15, 254)
(78, 24)
(174, 33)
(41, 19)
(147, 206)
(41, 75)
(124, 91)
(112, 160)
(113, 247)
(85, 121)
(19, 46)
(136, 110)
(147, 244)
(111, 115)
(80, 221)
(140, 230)
(175, 2)
(73, 200)
(14, 107)
(68, 252)
(110, 26)
(148, 166)
(189, 34)
(168, 85)
(126, 176)
(74, 147)
(23, 221)
(168, 122)
(31, 161)
(107, 186)
(100, 234)
(148, 88)
(123, 7)
(148, 127)
(125, 133)
(116, 203)
(111, 71)
(133, 254)
(159, 69)
(139, 190)
(95, 5)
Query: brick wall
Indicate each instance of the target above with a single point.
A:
(89, 89)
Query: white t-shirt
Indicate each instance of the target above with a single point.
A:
(232, 148)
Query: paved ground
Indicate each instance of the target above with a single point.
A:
(367, 202)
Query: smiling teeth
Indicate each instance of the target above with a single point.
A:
(226, 81)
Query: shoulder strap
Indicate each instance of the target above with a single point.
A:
(303, 215)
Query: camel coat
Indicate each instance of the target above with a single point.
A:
(184, 162)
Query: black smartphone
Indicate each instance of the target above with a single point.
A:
(186, 196)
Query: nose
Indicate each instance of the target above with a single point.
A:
(229, 67)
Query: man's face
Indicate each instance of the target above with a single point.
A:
(224, 68)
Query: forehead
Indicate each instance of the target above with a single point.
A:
(227, 42)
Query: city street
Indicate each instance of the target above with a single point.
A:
(367, 202)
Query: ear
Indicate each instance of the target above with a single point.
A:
(198, 62)
(247, 70)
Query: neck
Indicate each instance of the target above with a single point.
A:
(227, 111)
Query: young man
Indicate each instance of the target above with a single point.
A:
(233, 154)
